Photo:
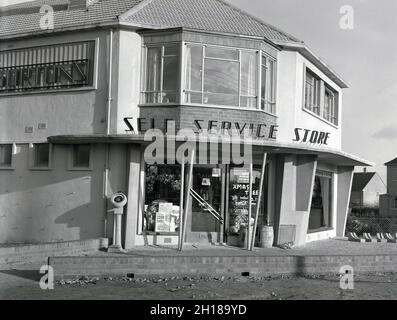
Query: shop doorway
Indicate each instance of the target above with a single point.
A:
(321, 207)
(206, 215)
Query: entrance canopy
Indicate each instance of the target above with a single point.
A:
(328, 155)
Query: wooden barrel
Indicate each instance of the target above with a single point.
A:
(266, 237)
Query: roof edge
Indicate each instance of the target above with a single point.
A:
(310, 55)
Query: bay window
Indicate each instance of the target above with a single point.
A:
(212, 75)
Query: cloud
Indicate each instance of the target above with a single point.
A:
(387, 133)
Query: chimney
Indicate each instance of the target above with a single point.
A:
(81, 4)
(365, 170)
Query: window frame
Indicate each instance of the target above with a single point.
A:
(32, 157)
(144, 91)
(143, 198)
(182, 91)
(71, 166)
(273, 90)
(11, 166)
(323, 87)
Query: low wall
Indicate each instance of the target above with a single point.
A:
(151, 265)
(41, 252)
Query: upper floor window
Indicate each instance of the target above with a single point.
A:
(221, 76)
(212, 75)
(68, 65)
(161, 74)
(330, 105)
(312, 92)
(268, 85)
(320, 98)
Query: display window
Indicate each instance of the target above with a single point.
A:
(162, 198)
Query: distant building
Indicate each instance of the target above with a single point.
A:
(388, 201)
(366, 189)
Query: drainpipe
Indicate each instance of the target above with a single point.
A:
(109, 105)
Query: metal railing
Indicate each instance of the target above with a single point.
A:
(206, 206)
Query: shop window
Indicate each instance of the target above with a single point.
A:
(161, 74)
(81, 157)
(5, 155)
(321, 205)
(162, 198)
(320, 98)
(239, 196)
(40, 157)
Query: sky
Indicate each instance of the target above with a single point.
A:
(366, 57)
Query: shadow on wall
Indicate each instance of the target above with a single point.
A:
(54, 205)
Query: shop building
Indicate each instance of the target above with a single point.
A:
(76, 100)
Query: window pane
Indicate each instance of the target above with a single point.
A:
(312, 93)
(171, 50)
(170, 74)
(162, 191)
(153, 74)
(271, 81)
(42, 151)
(194, 56)
(5, 154)
(221, 81)
(81, 155)
(222, 53)
(248, 102)
(249, 67)
(263, 87)
(193, 97)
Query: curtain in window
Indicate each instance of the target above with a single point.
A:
(325, 195)
(153, 75)
(193, 73)
(248, 79)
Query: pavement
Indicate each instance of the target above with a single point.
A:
(330, 247)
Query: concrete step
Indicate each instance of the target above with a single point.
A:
(121, 265)
(39, 252)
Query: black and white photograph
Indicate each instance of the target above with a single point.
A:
(180, 151)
